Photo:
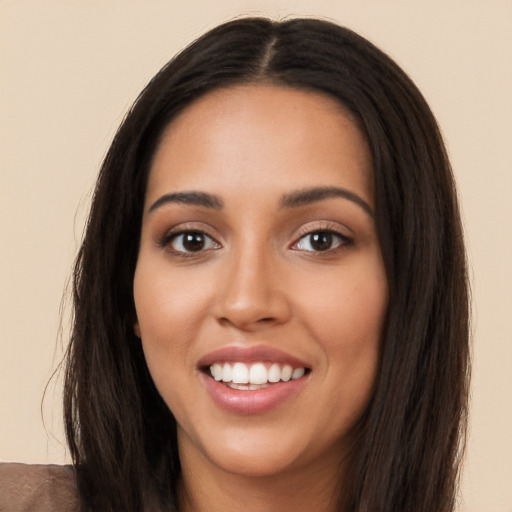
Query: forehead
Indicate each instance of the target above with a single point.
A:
(242, 133)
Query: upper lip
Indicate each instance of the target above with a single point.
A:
(236, 353)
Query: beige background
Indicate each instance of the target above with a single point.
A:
(70, 69)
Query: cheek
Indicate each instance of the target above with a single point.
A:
(348, 309)
(346, 316)
(170, 310)
(169, 302)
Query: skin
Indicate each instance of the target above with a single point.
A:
(258, 281)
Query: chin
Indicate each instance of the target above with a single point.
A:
(261, 452)
(255, 463)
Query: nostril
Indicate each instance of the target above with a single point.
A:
(264, 320)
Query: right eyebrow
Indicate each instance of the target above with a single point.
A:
(311, 195)
(193, 197)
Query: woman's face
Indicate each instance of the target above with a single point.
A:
(259, 259)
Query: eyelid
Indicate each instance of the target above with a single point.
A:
(176, 236)
(325, 227)
(171, 234)
(307, 229)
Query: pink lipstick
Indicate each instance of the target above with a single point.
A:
(251, 380)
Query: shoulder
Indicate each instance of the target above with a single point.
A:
(37, 488)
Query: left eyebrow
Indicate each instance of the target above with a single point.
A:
(312, 195)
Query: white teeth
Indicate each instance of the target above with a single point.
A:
(246, 387)
(258, 374)
(216, 370)
(274, 373)
(286, 373)
(240, 373)
(226, 373)
(253, 376)
(297, 373)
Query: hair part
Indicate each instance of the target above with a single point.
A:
(122, 436)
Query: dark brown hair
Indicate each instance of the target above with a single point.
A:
(121, 434)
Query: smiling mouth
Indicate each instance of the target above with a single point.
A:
(253, 376)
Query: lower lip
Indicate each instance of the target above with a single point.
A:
(252, 402)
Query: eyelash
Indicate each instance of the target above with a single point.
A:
(329, 229)
(169, 238)
(344, 241)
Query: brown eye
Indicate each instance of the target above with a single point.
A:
(191, 241)
(321, 241)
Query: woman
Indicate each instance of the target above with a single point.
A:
(271, 304)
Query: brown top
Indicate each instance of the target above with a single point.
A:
(37, 488)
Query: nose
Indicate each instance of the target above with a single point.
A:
(251, 294)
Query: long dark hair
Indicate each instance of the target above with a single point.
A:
(122, 436)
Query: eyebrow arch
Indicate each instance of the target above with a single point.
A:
(311, 195)
(194, 198)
